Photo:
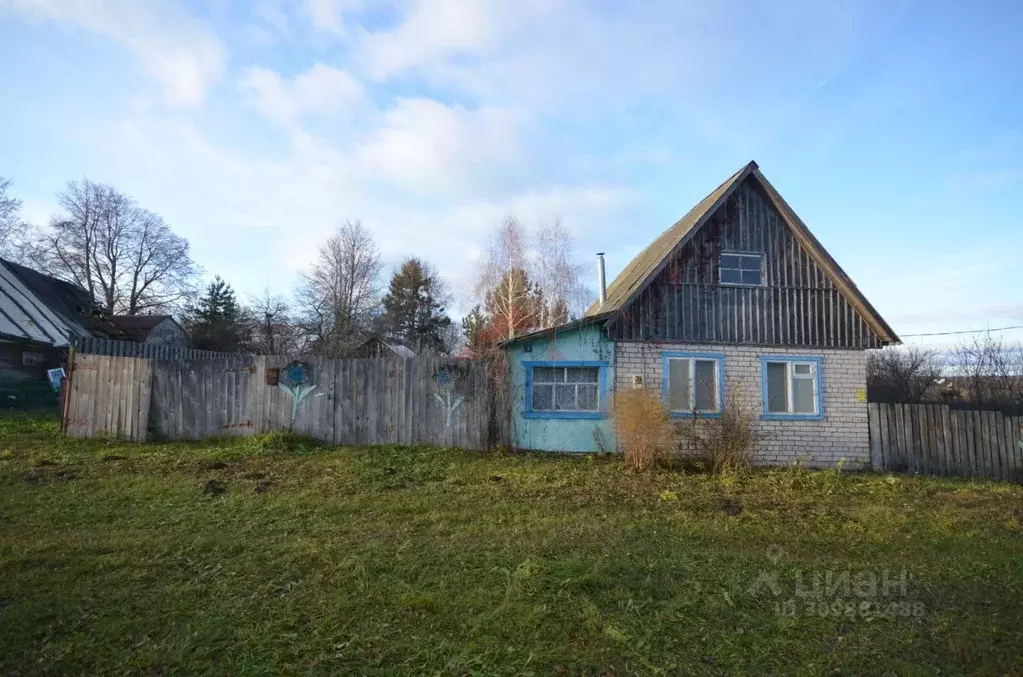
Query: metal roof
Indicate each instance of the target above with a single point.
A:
(25, 315)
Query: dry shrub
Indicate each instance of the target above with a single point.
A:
(643, 428)
(725, 443)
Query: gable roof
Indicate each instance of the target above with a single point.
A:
(44, 309)
(642, 270)
(137, 327)
(397, 349)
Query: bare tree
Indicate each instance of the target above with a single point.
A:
(503, 284)
(339, 295)
(124, 255)
(12, 229)
(990, 370)
(556, 274)
(273, 327)
(901, 375)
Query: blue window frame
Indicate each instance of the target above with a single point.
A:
(791, 387)
(693, 384)
(566, 389)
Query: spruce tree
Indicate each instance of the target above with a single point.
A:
(217, 322)
(414, 313)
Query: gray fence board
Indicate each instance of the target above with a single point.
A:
(437, 401)
(936, 440)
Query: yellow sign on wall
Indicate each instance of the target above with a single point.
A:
(861, 394)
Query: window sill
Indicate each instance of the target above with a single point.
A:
(565, 414)
(697, 414)
(792, 417)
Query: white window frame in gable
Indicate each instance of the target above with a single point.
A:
(759, 256)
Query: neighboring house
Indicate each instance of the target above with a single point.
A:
(736, 300)
(375, 346)
(39, 315)
(155, 330)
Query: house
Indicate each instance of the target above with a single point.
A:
(375, 346)
(155, 330)
(737, 302)
(39, 316)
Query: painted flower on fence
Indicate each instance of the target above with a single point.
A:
(297, 373)
(446, 378)
(294, 378)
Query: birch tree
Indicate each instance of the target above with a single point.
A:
(556, 274)
(527, 281)
(502, 281)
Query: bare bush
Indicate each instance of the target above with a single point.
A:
(726, 442)
(989, 371)
(901, 375)
(643, 428)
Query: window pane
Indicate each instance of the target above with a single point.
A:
(678, 385)
(588, 397)
(548, 374)
(706, 386)
(751, 277)
(803, 401)
(777, 387)
(801, 369)
(543, 397)
(582, 374)
(729, 261)
(750, 263)
(564, 398)
(730, 276)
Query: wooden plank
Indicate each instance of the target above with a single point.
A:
(945, 436)
(1009, 456)
(925, 438)
(983, 445)
(884, 429)
(954, 449)
(874, 427)
(1017, 435)
(990, 433)
(129, 389)
(937, 442)
(1001, 456)
(145, 400)
(972, 440)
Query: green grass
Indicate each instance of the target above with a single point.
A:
(430, 561)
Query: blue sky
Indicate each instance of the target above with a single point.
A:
(894, 128)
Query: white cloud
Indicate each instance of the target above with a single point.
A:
(173, 47)
(321, 90)
(425, 146)
(433, 30)
(328, 15)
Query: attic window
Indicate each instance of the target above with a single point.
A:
(740, 268)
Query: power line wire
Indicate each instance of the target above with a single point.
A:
(965, 331)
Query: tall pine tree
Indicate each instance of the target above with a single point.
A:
(217, 322)
(414, 313)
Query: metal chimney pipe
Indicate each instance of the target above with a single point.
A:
(601, 283)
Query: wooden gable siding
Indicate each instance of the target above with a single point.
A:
(798, 304)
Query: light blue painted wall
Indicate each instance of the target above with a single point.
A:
(585, 343)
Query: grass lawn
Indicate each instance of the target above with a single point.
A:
(372, 561)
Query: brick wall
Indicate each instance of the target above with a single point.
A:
(842, 434)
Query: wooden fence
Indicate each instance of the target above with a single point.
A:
(933, 439)
(439, 401)
(91, 345)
